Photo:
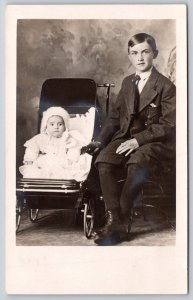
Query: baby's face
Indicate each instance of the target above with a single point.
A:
(55, 126)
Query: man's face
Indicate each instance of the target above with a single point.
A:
(141, 56)
(55, 126)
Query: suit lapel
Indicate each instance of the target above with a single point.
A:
(148, 93)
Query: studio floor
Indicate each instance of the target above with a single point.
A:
(58, 228)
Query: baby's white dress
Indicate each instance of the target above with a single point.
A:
(56, 158)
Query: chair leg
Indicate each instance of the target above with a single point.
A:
(158, 206)
(163, 212)
(172, 226)
(143, 207)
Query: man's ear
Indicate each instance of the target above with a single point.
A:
(155, 53)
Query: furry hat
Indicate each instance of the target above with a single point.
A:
(54, 111)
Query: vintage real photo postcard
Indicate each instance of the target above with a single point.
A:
(96, 149)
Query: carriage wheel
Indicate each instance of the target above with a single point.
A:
(33, 214)
(88, 219)
(18, 213)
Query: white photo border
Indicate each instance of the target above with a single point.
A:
(28, 268)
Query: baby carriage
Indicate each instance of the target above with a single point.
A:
(79, 98)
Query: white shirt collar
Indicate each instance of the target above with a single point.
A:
(145, 75)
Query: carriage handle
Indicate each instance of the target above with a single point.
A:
(108, 86)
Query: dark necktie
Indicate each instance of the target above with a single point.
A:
(135, 81)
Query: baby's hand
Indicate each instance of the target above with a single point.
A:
(91, 148)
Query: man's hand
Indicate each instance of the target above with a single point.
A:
(128, 146)
(91, 148)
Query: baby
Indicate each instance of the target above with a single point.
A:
(55, 152)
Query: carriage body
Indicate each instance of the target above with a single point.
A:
(79, 98)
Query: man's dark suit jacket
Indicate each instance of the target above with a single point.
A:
(154, 126)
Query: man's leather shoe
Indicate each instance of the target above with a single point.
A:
(113, 237)
(111, 220)
(114, 232)
(126, 220)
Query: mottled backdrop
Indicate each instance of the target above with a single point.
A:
(94, 49)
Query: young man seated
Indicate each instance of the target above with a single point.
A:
(139, 136)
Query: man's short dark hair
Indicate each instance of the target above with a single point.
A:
(140, 38)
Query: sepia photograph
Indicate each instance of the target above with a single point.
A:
(69, 78)
(94, 138)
